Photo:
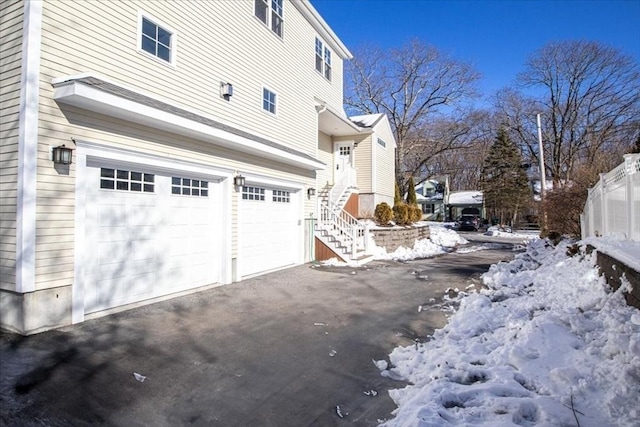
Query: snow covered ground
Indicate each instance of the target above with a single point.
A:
(545, 344)
(441, 240)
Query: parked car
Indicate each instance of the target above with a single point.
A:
(470, 222)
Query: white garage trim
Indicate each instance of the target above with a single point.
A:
(91, 154)
(79, 91)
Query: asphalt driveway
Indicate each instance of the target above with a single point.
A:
(291, 348)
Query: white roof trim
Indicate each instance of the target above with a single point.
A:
(69, 91)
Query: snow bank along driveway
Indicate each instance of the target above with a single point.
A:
(547, 344)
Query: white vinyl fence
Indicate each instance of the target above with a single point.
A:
(613, 204)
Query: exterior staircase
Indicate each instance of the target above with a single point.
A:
(345, 235)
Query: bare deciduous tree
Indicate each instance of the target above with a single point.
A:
(589, 98)
(472, 135)
(411, 85)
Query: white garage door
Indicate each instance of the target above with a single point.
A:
(148, 235)
(269, 229)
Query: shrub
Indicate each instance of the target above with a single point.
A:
(416, 213)
(396, 198)
(401, 214)
(383, 214)
(412, 199)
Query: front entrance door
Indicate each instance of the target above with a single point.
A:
(343, 160)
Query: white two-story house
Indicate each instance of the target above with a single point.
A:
(202, 135)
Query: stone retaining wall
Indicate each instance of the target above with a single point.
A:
(393, 238)
(613, 270)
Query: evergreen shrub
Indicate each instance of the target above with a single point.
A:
(401, 214)
(383, 214)
(416, 213)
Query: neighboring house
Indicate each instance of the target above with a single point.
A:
(465, 202)
(200, 133)
(430, 196)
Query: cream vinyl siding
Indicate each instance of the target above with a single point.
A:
(363, 165)
(11, 18)
(385, 160)
(216, 42)
(325, 155)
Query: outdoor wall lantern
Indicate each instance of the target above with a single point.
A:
(226, 90)
(311, 191)
(62, 155)
(238, 181)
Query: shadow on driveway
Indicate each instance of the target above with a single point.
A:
(283, 349)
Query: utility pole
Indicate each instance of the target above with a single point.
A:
(543, 179)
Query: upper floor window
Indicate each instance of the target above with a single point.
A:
(271, 13)
(327, 63)
(157, 39)
(268, 101)
(381, 142)
(323, 59)
(319, 54)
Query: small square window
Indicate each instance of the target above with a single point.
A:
(107, 184)
(268, 101)
(156, 39)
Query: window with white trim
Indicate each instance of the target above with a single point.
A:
(327, 63)
(189, 187)
(271, 13)
(268, 100)
(253, 193)
(281, 196)
(120, 179)
(323, 59)
(381, 142)
(156, 39)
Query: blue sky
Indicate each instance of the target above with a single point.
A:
(495, 36)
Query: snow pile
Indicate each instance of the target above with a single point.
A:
(439, 242)
(547, 344)
(445, 237)
(497, 232)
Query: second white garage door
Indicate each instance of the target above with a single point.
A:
(269, 229)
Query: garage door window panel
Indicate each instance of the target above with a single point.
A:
(280, 196)
(189, 187)
(253, 193)
(125, 180)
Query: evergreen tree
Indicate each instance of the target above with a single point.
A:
(396, 198)
(504, 181)
(412, 199)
